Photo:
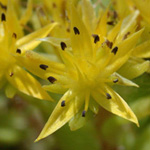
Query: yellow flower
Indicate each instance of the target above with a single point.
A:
(13, 42)
(60, 12)
(143, 48)
(85, 74)
(143, 6)
(136, 64)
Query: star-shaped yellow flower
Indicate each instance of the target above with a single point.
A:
(86, 74)
(13, 42)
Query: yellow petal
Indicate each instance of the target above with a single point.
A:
(88, 15)
(143, 6)
(142, 50)
(36, 60)
(115, 105)
(114, 32)
(61, 115)
(10, 91)
(128, 25)
(93, 105)
(81, 42)
(55, 88)
(25, 18)
(101, 26)
(124, 52)
(12, 20)
(77, 121)
(25, 83)
(123, 81)
(121, 7)
(29, 42)
(57, 41)
(135, 68)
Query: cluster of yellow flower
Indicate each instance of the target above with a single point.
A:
(92, 48)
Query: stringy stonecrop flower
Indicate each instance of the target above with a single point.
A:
(13, 42)
(86, 74)
(59, 11)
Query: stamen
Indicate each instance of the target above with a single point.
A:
(83, 113)
(11, 74)
(51, 79)
(44, 67)
(3, 6)
(14, 35)
(18, 51)
(110, 23)
(115, 14)
(108, 96)
(76, 30)
(54, 5)
(109, 44)
(126, 35)
(3, 17)
(116, 80)
(63, 104)
(96, 38)
(63, 45)
(68, 29)
(114, 50)
(87, 98)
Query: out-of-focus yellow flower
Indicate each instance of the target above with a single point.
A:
(87, 72)
(136, 64)
(12, 42)
(143, 6)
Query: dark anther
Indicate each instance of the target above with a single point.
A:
(96, 38)
(126, 35)
(68, 29)
(114, 50)
(76, 30)
(3, 17)
(52, 21)
(63, 104)
(63, 45)
(83, 113)
(51, 79)
(3, 6)
(11, 74)
(44, 67)
(115, 81)
(14, 35)
(54, 5)
(109, 44)
(115, 14)
(110, 23)
(108, 96)
(18, 51)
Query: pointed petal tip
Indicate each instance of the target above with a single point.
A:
(37, 140)
(40, 137)
(136, 85)
(49, 99)
(135, 120)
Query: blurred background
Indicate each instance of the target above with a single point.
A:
(22, 118)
